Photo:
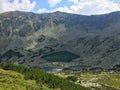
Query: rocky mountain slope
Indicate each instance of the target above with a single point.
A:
(25, 37)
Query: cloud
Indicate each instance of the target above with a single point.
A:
(21, 5)
(65, 8)
(74, 1)
(52, 3)
(43, 10)
(90, 7)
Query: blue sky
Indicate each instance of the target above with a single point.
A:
(85, 7)
(44, 4)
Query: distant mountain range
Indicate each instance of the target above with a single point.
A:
(25, 37)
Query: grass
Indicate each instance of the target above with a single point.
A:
(33, 79)
(10, 80)
(112, 80)
(106, 80)
(62, 56)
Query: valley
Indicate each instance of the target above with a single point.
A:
(59, 51)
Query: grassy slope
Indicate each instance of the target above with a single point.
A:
(42, 79)
(11, 80)
(110, 80)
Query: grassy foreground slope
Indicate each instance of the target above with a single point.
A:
(40, 79)
(11, 80)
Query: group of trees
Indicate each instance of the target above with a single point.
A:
(42, 78)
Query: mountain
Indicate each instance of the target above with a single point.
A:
(26, 37)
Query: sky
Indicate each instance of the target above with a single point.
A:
(83, 7)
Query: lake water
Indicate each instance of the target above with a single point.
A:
(55, 69)
(74, 68)
(52, 69)
(48, 69)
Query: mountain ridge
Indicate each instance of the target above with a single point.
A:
(94, 38)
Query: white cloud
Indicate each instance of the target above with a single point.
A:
(90, 7)
(21, 5)
(63, 9)
(74, 1)
(43, 10)
(52, 3)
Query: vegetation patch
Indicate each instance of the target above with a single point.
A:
(100, 81)
(34, 79)
(10, 80)
(62, 56)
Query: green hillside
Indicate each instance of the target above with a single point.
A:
(11, 80)
(23, 78)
